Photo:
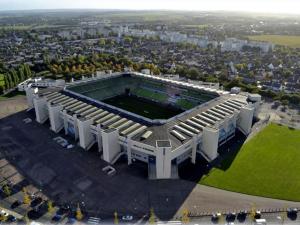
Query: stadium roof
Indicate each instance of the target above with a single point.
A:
(178, 129)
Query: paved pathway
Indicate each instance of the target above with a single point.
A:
(208, 199)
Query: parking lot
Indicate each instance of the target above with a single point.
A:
(75, 176)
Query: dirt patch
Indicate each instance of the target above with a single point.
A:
(12, 105)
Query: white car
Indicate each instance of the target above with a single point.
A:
(3, 213)
(70, 146)
(127, 218)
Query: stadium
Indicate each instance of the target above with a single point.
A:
(158, 121)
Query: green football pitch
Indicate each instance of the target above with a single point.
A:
(267, 165)
(143, 107)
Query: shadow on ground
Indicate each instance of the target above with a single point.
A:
(75, 176)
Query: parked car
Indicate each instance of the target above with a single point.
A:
(241, 217)
(257, 215)
(71, 220)
(292, 213)
(216, 217)
(3, 213)
(11, 219)
(260, 222)
(15, 204)
(127, 218)
(34, 214)
(56, 218)
(230, 217)
(64, 209)
(35, 202)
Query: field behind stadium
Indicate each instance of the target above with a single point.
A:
(267, 165)
(286, 40)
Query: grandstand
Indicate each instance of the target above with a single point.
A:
(154, 120)
(155, 97)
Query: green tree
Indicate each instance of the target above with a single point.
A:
(102, 42)
(50, 206)
(79, 215)
(21, 73)
(27, 71)
(10, 81)
(14, 77)
(6, 82)
(128, 39)
(193, 73)
(6, 190)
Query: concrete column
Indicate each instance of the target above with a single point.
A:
(163, 159)
(194, 149)
(160, 163)
(30, 96)
(65, 121)
(129, 150)
(56, 121)
(40, 107)
(210, 141)
(167, 163)
(111, 145)
(99, 138)
(245, 119)
(86, 139)
(76, 133)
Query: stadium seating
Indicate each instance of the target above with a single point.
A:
(145, 88)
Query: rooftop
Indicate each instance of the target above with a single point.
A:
(178, 130)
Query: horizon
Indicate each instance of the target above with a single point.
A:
(288, 7)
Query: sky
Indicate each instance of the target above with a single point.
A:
(268, 6)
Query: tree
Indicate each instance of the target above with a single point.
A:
(59, 69)
(6, 190)
(128, 39)
(50, 206)
(285, 102)
(185, 216)
(27, 71)
(10, 81)
(193, 73)
(26, 197)
(79, 215)
(67, 70)
(21, 73)
(152, 217)
(14, 77)
(102, 42)
(46, 59)
(6, 82)
(116, 219)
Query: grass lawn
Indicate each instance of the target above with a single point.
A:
(290, 41)
(267, 165)
(161, 97)
(11, 94)
(143, 107)
(185, 104)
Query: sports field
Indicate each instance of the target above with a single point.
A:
(290, 41)
(143, 107)
(267, 165)
(185, 104)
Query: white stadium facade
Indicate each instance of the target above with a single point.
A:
(78, 109)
